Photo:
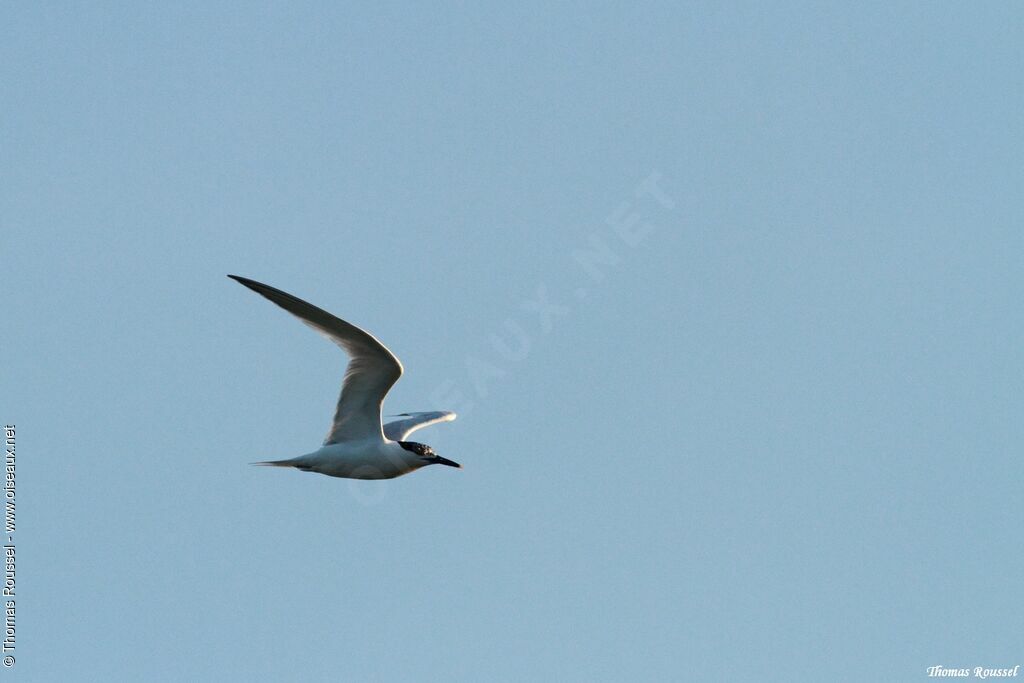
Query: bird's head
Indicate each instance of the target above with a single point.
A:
(426, 455)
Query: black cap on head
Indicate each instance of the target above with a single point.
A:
(427, 453)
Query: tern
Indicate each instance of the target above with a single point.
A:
(359, 446)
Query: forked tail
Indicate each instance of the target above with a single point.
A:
(294, 462)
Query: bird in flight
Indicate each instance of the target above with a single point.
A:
(358, 445)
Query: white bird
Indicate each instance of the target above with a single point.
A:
(358, 445)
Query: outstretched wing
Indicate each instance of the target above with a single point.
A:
(398, 430)
(370, 374)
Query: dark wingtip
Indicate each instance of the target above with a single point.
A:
(251, 284)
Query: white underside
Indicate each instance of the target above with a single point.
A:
(364, 459)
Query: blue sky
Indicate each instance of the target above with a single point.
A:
(772, 432)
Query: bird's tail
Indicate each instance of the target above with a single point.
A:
(276, 463)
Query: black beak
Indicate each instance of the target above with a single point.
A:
(438, 460)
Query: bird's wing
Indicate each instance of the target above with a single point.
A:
(397, 430)
(371, 372)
